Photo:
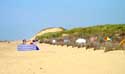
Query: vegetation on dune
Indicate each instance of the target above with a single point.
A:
(49, 35)
(102, 30)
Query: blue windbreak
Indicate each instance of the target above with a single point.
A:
(25, 47)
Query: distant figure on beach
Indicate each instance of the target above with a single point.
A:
(93, 42)
(93, 39)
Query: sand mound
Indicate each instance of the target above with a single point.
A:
(47, 31)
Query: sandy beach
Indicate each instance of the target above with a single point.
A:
(59, 60)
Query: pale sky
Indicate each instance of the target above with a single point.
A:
(21, 19)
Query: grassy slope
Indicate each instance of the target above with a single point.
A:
(103, 30)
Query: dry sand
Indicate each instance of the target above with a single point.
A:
(59, 60)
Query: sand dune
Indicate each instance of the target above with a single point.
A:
(59, 60)
(47, 30)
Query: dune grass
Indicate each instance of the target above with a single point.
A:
(104, 30)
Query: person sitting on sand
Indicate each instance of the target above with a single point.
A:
(24, 41)
(33, 43)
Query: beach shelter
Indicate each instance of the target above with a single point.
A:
(27, 47)
(107, 39)
(81, 41)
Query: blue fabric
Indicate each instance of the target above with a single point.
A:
(25, 47)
